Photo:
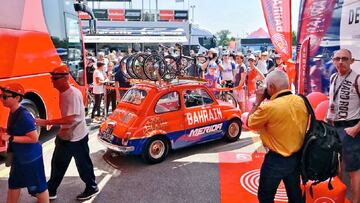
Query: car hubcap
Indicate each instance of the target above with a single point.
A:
(233, 129)
(157, 149)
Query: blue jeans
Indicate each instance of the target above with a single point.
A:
(276, 168)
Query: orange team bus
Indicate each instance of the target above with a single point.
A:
(35, 37)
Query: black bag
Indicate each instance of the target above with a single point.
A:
(320, 152)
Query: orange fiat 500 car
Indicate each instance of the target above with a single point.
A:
(150, 120)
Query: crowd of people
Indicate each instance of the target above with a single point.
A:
(281, 121)
(226, 69)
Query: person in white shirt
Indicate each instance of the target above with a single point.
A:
(227, 69)
(262, 63)
(98, 82)
(72, 139)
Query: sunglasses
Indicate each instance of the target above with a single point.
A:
(345, 59)
(56, 78)
(4, 96)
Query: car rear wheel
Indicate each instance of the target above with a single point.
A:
(31, 107)
(234, 130)
(156, 150)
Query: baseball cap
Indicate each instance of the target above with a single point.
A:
(226, 52)
(213, 50)
(13, 88)
(62, 70)
(277, 56)
(251, 57)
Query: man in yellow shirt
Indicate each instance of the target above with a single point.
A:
(282, 123)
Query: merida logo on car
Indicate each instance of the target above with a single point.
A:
(203, 116)
(208, 129)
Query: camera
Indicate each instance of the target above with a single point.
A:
(260, 84)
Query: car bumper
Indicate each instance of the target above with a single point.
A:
(121, 149)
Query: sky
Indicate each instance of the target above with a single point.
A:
(241, 17)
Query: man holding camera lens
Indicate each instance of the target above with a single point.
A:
(282, 122)
(211, 61)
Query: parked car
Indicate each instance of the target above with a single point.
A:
(150, 120)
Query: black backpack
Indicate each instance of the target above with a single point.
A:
(320, 152)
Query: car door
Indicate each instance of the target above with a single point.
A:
(169, 114)
(203, 119)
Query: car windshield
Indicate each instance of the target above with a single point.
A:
(134, 96)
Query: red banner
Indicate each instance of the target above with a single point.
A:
(315, 19)
(116, 14)
(166, 15)
(277, 15)
(303, 79)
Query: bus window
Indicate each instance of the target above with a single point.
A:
(75, 61)
(207, 42)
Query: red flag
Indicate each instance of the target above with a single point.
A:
(303, 74)
(278, 20)
(315, 19)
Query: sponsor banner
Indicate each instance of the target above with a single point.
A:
(349, 29)
(277, 15)
(315, 19)
(83, 16)
(101, 14)
(303, 71)
(116, 14)
(181, 15)
(133, 14)
(166, 15)
(135, 39)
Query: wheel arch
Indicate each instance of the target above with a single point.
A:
(38, 101)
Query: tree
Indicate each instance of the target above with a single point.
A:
(294, 38)
(223, 37)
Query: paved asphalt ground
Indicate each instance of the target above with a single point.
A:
(187, 175)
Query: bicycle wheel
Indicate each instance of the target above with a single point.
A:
(123, 67)
(138, 64)
(154, 67)
(172, 68)
(129, 69)
(183, 66)
(228, 97)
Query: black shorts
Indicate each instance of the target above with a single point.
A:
(350, 150)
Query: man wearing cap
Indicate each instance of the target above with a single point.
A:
(227, 69)
(262, 63)
(72, 140)
(27, 165)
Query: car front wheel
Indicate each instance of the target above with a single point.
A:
(234, 130)
(156, 150)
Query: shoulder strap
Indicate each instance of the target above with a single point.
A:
(357, 85)
(309, 109)
(332, 78)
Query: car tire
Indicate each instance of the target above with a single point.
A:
(34, 111)
(233, 131)
(156, 150)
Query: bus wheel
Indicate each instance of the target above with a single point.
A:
(156, 150)
(31, 107)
